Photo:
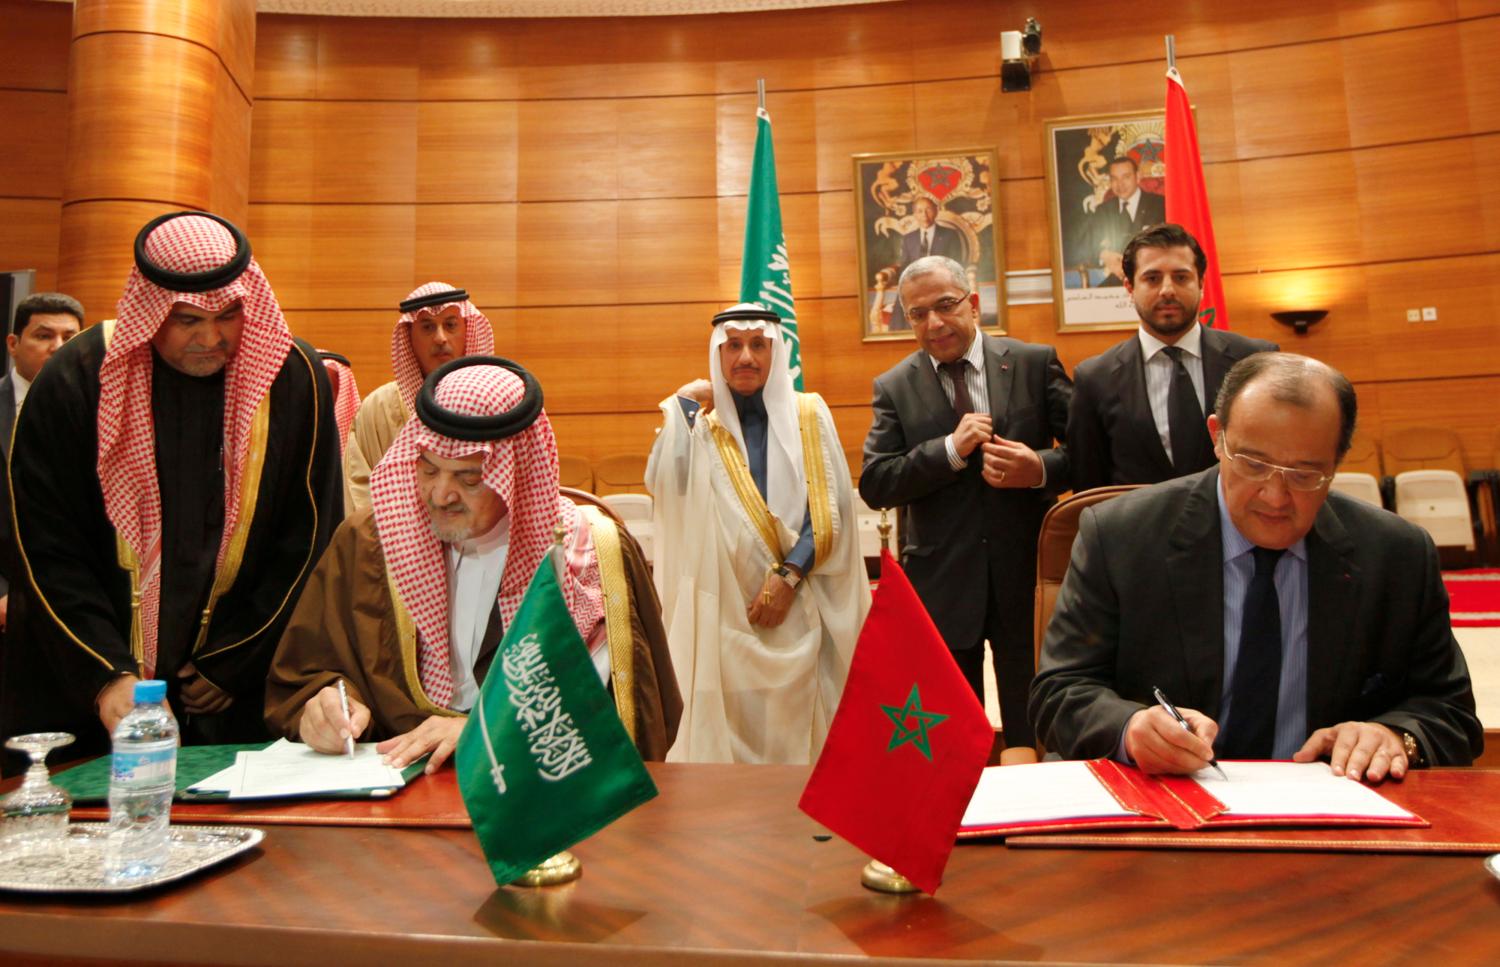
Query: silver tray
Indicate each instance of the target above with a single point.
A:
(78, 866)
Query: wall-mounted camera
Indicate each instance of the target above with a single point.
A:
(1018, 49)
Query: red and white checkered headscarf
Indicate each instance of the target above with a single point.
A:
(479, 338)
(522, 469)
(127, 434)
(345, 399)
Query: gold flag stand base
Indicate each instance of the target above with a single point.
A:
(877, 876)
(562, 868)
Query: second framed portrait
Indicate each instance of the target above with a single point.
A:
(1106, 180)
(937, 203)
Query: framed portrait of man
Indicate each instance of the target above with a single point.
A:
(1106, 180)
(908, 205)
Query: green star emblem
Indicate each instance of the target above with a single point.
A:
(916, 734)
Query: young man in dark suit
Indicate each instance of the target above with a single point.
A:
(1286, 622)
(1138, 408)
(963, 441)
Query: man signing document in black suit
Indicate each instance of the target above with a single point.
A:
(1294, 623)
(962, 441)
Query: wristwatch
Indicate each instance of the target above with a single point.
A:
(1411, 749)
(791, 577)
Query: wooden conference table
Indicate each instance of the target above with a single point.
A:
(722, 868)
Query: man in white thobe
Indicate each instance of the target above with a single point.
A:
(762, 585)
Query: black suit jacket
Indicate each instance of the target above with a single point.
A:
(956, 528)
(7, 426)
(1112, 436)
(1142, 605)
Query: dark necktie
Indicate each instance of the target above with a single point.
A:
(1256, 686)
(926, 241)
(1192, 450)
(956, 371)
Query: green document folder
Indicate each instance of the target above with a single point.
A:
(88, 783)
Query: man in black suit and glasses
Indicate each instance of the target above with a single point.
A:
(964, 441)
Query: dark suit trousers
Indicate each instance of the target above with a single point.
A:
(1014, 667)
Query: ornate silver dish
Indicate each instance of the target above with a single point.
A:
(78, 866)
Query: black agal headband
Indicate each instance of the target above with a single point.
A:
(464, 426)
(754, 314)
(329, 354)
(435, 299)
(205, 281)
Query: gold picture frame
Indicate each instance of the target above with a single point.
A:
(1089, 158)
(892, 194)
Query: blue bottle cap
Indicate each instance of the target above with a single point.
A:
(150, 691)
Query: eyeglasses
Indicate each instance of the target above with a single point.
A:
(945, 307)
(1259, 471)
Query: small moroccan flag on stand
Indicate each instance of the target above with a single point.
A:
(907, 744)
(765, 273)
(544, 761)
(1187, 197)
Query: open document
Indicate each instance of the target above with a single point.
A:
(288, 769)
(1103, 794)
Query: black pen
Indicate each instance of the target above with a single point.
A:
(1166, 703)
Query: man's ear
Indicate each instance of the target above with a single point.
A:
(1214, 432)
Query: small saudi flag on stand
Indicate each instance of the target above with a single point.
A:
(544, 761)
(765, 274)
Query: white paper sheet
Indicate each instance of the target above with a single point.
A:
(1038, 792)
(1294, 789)
(292, 769)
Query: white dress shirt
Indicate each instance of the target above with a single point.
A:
(979, 393)
(474, 569)
(19, 385)
(1159, 377)
(1129, 205)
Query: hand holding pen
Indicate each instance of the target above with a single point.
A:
(1159, 741)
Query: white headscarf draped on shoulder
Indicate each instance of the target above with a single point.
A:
(786, 481)
(204, 261)
(491, 406)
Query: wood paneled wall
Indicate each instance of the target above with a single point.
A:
(586, 179)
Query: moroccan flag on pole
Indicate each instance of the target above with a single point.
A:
(907, 744)
(1187, 197)
(765, 274)
(544, 761)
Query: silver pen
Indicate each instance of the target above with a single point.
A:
(344, 704)
(1166, 703)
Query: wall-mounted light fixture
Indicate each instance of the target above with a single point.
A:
(1018, 50)
(1300, 319)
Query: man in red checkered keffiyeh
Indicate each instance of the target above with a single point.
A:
(411, 601)
(345, 392)
(437, 324)
(180, 481)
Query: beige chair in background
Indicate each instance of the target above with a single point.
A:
(575, 473)
(634, 510)
(622, 473)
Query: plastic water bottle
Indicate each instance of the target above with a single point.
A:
(142, 778)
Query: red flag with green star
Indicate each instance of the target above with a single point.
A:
(907, 744)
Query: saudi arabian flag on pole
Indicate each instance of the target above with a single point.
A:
(544, 761)
(765, 274)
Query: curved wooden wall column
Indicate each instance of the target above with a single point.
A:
(159, 99)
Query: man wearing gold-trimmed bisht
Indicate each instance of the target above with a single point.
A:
(176, 477)
(762, 585)
(410, 603)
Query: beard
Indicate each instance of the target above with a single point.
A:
(1187, 318)
(448, 528)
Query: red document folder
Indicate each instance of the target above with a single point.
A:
(1165, 802)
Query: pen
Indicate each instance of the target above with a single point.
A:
(1164, 702)
(349, 739)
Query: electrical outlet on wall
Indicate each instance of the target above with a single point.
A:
(1429, 313)
(1413, 315)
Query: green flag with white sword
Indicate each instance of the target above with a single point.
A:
(765, 273)
(544, 760)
